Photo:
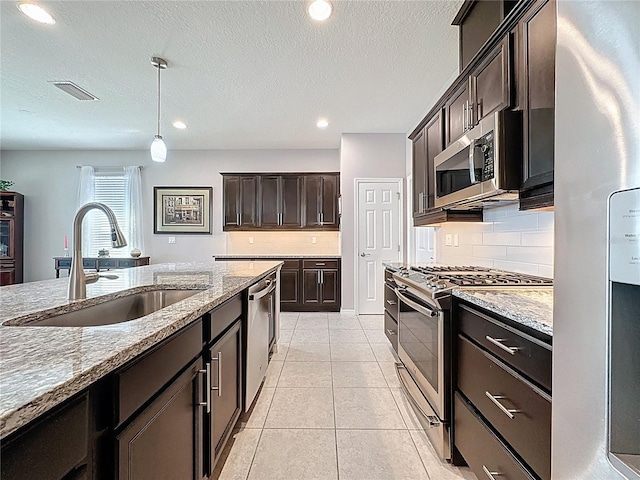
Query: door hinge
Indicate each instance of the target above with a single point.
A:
(398, 194)
(398, 247)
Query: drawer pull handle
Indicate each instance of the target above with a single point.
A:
(320, 264)
(219, 387)
(391, 332)
(508, 412)
(391, 302)
(491, 475)
(498, 343)
(207, 374)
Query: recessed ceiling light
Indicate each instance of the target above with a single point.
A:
(322, 123)
(179, 125)
(36, 13)
(320, 10)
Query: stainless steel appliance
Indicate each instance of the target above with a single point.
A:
(597, 152)
(259, 324)
(484, 163)
(425, 338)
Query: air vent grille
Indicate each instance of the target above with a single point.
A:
(75, 91)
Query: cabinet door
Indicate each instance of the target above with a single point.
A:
(310, 287)
(164, 441)
(269, 201)
(492, 82)
(330, 287)
(537, 70)
(289, 280)
(456, 114)
(312, 186)
(248, 201)
(434, 145)
(226, 384)
(419, 172)
(231, 193)
(330, 188)
(7, 276)
(291, 201)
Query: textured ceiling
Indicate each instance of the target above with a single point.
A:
(242, 74)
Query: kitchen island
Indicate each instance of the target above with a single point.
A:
(40, 367)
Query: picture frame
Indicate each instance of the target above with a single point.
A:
(182, 210)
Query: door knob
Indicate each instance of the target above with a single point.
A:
(365, 254)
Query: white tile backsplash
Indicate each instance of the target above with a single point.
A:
(508, 239)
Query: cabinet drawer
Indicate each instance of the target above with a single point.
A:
(64, 263)
(290, 264)
(390, 301)
(526, 354)
(126, 263)
(391, 330)
(86, 263)
(525, 422)
(221, 317)
(320, 263)
(482, 449)
(50, 449)
(139, 382)
(108, 263)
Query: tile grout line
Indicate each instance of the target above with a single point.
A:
(335, 420)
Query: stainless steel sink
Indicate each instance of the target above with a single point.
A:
(113, 311)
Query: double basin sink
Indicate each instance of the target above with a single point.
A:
(121, 309)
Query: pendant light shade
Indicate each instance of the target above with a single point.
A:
(158, 148)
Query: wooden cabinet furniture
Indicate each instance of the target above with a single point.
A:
(391, 309)
(537, 49)
(321, 284)
(290, 285)
(11, 237)
(426, 145)
(281, 201)
(100, 263)
(503, 397)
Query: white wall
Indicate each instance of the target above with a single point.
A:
(507, 239)
(49, 182)
(363, 156)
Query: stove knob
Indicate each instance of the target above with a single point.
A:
(441, 284)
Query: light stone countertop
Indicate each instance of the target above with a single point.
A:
(40, 367)
(530, 306)
(274, 256)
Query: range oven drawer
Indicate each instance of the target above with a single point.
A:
(482, 450)
(391, 330)
(526, 354)
(390, 301)
(520, 412)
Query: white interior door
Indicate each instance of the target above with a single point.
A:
(379, 240)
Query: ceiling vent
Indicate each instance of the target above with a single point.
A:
(75, 91)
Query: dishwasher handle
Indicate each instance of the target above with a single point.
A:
(271, 285)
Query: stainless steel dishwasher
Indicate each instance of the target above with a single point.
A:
(259, 313)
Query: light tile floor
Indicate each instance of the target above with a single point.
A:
(331, 408)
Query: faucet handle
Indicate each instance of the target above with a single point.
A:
(93, 277)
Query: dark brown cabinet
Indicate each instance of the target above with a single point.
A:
(321, 285)
(240, 202)
(457, 114)
(537, 38)
(11, 237)
(290, 284)
(426, 145)
(321, 201)
(274, 201)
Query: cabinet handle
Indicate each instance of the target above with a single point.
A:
(391, 332)
(320, 264)
(391, 302)
(318, 276)
(498, 343)
(321, 272)
(219, 387)
(238, 219)
(507, 411)
(490, 474)
(318, 218)
(207, 373)
(464, 117)
(470, 115)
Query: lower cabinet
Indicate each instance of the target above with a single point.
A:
(164, 440)
(321, 285)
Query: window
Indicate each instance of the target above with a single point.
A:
(111, 189)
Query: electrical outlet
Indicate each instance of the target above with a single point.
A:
(172, 239)
(250, 239)
(456, 240)
(314, 240)
(447, 239)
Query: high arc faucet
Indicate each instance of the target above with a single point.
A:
(77, 278)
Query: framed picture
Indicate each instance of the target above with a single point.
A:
(182, 210)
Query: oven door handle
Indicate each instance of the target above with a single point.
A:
(420, 308)
(433, 419)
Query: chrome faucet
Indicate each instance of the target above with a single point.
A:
(77, 278)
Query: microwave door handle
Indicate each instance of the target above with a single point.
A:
(472, 170)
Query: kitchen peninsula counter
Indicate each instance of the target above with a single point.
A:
(40, 367)
(529, 306)
(272, 257)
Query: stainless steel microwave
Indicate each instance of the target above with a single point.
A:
(485, 163)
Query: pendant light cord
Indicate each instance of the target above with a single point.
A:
(158, 66)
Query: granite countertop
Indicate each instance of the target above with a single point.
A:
(40, 367)
(274, 256)
(530, 306)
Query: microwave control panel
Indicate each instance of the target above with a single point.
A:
(483, 157)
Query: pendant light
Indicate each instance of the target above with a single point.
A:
(158, 148)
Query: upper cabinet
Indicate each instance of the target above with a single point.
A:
(273, 201)
(426, 145)
(537, 42)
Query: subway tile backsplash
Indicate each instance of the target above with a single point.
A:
(507, 239)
